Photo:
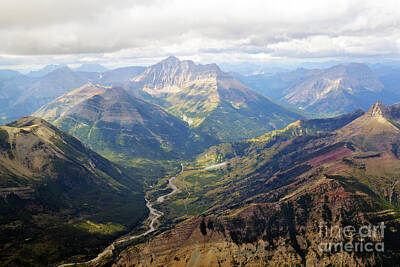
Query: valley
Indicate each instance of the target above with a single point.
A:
(154, 215)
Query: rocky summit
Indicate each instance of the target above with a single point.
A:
(209, 100)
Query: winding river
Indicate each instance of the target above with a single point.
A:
(154, 215)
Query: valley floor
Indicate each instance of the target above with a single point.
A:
(153, 218)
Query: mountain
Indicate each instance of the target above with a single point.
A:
(326, 92)
(21, 95)
(58, 199)
(58, 107)
(45, 70)
(37, 92)
(91, 67)
(338, 89)
(118, 125)
(209, 100)
(120, 76)
(281, 198)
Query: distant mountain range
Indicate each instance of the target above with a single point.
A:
(317, 92)
(269, 200)
(21, 95)
(89, 67)
(325, 92)
(54, 191)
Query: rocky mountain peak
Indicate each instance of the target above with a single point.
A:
(171, 59)
(378, 109)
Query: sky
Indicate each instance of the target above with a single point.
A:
(141, 32)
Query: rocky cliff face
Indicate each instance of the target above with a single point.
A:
(171, 75)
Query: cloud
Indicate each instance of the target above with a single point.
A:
(126, 30)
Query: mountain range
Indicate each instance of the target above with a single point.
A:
(325, 92)
(171, 109)
(21, 95)
(317, 92)
(267, 202)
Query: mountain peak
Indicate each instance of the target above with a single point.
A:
(28, 121)
(116, 91)
(378, 109)
(171, 59)
(339, 89)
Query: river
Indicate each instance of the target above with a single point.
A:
(154, 215)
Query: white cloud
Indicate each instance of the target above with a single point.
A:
(124, 30)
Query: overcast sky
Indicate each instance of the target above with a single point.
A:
(132, 32)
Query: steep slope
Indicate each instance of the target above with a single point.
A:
(209, 100)
(120, 126)
(266, 205)
(336, 90)
(55, 192)
(65, 102)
